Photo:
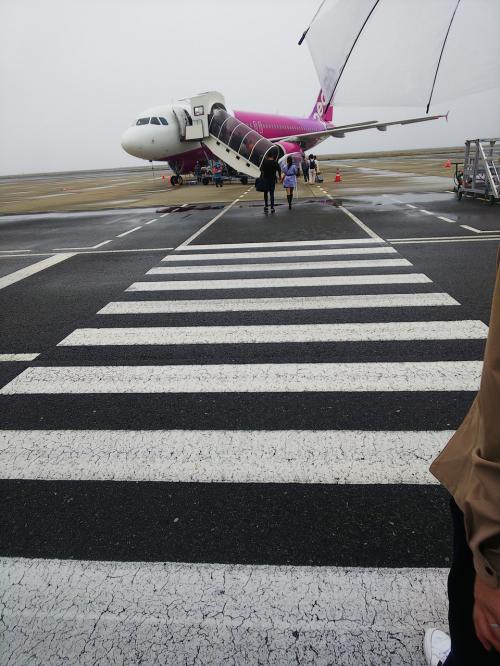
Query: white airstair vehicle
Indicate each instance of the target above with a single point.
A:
(232, 141)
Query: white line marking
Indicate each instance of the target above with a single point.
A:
(151, 221)
(446, 219)
(283, 333)
(90, 247)
(130, 231)
(249, 378)
(184, 205)
(464, 239)
(294, 303)
(280, 266)
(449, 192)
(10, 358)
(3, 251)
(164, 214)
(427, 212)
(303, 243)
(23, 273)
(222, 456)
(268, 283)
(205, 227)
(410, 205)
(280, 254)
(225, 613)
(363, 226)
(34, 254)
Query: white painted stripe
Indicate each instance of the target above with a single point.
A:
(446, 219)
(151, 221)
(293, 303)
(206, 226)
(464, 239)
(10, 358)
(3, 251)
(280, 266)
(23, 273)
(427, 212)
(411, 205)
(283, 333)
(361, 224)
(89, 247)
(130, 231)
(304, 243)
(476, 231)
(220, 613)
(281, 254)
(222, 456)
(418, 238)
(249, 378)
(268, 283)
(164, 214)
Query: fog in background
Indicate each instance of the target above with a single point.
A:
(74, 74)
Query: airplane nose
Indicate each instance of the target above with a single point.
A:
(132, 142)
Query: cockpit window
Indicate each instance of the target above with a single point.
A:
(163, 121)
(143, 121)
(155, 121)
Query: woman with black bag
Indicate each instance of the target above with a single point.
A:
(269, 172)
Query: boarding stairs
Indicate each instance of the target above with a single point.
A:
(229, 139)
(481, 168)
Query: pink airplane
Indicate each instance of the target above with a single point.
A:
(201, 129)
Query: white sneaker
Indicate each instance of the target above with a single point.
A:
(437, 646)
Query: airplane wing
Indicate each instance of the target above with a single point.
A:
(340, 131)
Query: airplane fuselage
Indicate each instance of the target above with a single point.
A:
(161, 140)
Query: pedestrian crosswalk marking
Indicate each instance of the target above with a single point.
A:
(304, 243)
(364, 332)
(217, 613)
(234, 456)
(249, 378)
(281, 253)
(268, 283)
(299, 266)
(279, 304)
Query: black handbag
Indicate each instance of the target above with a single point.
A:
(260, 184)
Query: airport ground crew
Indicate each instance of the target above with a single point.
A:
(270, 171)
(197, 172)
(469, 467)
(289, 179)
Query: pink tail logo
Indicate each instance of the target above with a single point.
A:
(321, 111)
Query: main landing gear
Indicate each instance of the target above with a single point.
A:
(176, 180)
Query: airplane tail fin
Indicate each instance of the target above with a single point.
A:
(321, 111)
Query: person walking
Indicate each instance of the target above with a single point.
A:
(289, 179)
(312, 169)
(469, 467)
(269, 172)
(217, 174)
(304, 165)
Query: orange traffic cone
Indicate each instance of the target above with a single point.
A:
(447, 164)
(163, 178)
(338, 177)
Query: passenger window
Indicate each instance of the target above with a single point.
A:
(155, 121)
(163, 121)
(143, 121)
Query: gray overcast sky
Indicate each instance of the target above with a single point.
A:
(75, 73)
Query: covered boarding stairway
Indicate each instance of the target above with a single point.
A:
(237, 144)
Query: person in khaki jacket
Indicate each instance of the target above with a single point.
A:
(469, 467)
